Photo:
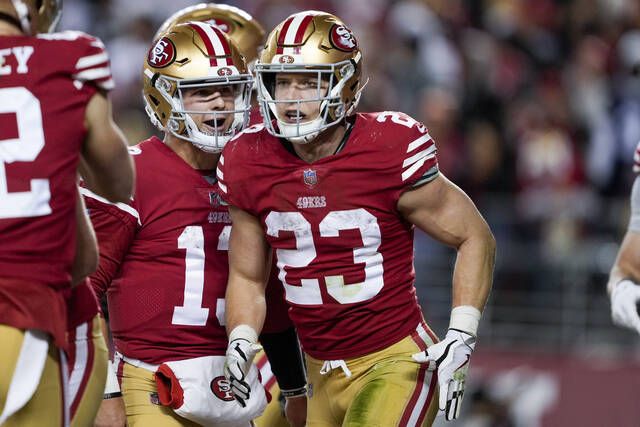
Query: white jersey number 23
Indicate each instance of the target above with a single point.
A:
(305, 253)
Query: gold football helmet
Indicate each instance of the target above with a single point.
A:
(320, 44)
(38, 16)
(244, 30)
(191, 56)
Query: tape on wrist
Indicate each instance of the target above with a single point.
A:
(296, 392)
(245, 332)
(465, 318)
(112, 386)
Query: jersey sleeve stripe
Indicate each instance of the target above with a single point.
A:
(106, 85)
(418, 142)
(92, 60)
(223, 187)
(93, 74)
(219, 173)
(122, 206)
(419, 156)
(221, 160)
(417, 165)
(428, 176)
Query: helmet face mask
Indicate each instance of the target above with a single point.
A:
(189, 60)
(229, 121)
(38, 16)
(318, 44)
(327, 99)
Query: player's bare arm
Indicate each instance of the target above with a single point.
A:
(249, 264)
(623, 287)
(446, 213)
(86, 259)
(107, 167)
(627, 265)
(442, 210)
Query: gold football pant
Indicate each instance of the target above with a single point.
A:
(46, 406)
(88, 357)
(386, 388)
(272, 415)
(141, 401)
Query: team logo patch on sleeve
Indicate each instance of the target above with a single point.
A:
(221, 388)
(310, 177)
(162, 54)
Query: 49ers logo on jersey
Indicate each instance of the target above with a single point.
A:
(342, 38)
(162, 54)
(221, 388)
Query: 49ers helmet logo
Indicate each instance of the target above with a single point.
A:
(342, 38)
(221, 388)
(162, 54)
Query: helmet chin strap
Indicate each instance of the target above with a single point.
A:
(301, 133)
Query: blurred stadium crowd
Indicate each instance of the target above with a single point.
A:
(535, 108)
(534, 105)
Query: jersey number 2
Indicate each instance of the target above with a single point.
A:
(191, 312)
(24, 148)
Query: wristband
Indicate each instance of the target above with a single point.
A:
(111, 395)
(244, 332)
(465, 318)
(112, 385)
(296, 392)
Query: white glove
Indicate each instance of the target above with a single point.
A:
(241, 350)
(451, 358)
(624, 297)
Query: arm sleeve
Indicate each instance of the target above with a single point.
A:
(115, 230)
(285, 358)
(634, 221)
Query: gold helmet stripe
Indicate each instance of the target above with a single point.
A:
(217, 47)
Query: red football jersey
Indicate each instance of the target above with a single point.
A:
(344, 252)
(45, 84)
(163, 260)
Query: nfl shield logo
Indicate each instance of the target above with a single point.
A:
(310, 177)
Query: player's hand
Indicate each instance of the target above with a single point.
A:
(111, 413)
(451, 359)
(240, 354)
(623, 305)
(295, 410)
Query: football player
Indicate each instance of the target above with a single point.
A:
(336, 193)
(164, 261)
(248, 35)
(54, 114)
(624, 280)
